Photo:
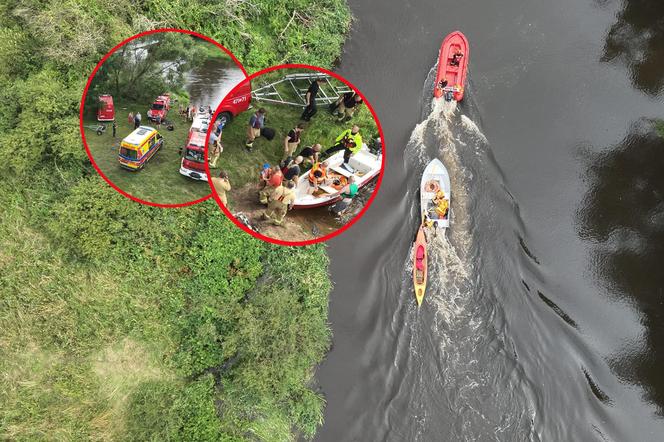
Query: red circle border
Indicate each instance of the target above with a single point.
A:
(85, 94)
(340, 229)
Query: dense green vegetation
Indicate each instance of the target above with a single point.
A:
(124, 322)
(243, 166)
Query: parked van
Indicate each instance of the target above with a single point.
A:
(236, 103)
(106, 109)
(193, 160)
(138, 147)
(160, 108)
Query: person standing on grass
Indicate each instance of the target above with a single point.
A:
(222, 185)
(292, 140)
(137, 120)
(256, 123)
(310, 99)
(158, 122)
(115, 127)
(130, 118)
(215, 149)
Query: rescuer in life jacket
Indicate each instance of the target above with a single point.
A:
(350, 141)
(441, 205)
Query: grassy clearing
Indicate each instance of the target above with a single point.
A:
(243, 166)
(56, 382)
(159, 181)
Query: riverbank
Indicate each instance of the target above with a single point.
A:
(126, 322)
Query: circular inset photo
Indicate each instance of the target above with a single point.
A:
(303, 162)
(146, 109)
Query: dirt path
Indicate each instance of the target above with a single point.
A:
(299, 225)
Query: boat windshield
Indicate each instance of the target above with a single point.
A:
(157, 106)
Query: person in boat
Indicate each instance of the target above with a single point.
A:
(419, 264)
(347, 193)
(441, 205)
(448, 93)
(310, 155)
(221, 185)
(292, 140)
(281, 201)
(292, 172)
(456, 58)
(347, 105)
(428, 223)
(350, 141)
(256, 123)
(317, 176)
(310, 99)
(274, 181)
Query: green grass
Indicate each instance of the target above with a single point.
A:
(126, 344)
(243, 167)
(159, 181)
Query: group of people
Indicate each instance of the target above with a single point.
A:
(189, 111)
(278, 183)
(134, 119)
(277, 192)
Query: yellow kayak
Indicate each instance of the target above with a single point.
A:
(420, 265)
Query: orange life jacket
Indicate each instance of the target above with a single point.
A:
(312, 177)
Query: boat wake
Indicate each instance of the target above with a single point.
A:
(463, 381)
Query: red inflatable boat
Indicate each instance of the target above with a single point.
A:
(452, 67)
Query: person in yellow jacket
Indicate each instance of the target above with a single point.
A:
(350, 141)
(442, 205)
(281, 201)
(221, 186)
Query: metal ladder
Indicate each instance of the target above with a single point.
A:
(299, 83)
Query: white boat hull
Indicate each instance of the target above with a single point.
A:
(365, 164)
(435, 177)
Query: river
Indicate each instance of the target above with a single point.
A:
(544, 315)
(209, 83)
